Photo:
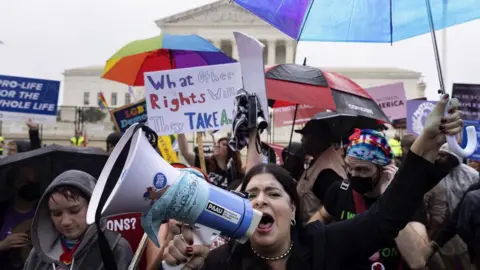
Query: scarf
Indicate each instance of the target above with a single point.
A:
(69, 247)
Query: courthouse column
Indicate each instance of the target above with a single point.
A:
(234, 49)
(272, 52)
(217, 43)
(290, 52)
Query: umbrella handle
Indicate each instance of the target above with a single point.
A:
(471, 139)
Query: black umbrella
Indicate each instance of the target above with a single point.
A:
(342, 125)
(51, 161)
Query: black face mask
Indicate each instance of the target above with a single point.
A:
(361, 184)
(30, 192)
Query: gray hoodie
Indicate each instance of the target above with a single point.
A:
(46, 239)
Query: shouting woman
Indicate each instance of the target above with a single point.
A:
(281, 241)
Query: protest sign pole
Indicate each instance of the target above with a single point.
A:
(139, 252)
(201, 153)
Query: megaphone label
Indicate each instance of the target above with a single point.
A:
(160, 181)
(153, 194)
(223, 212)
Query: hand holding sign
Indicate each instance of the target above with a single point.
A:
(32, 125)
(250, 52)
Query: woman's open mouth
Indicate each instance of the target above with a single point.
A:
(266, 223)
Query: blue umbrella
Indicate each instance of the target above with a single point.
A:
(378, 21)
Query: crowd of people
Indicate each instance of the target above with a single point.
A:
(368, 206)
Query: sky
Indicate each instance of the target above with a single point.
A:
(42, 38)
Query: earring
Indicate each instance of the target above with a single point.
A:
(293, 222)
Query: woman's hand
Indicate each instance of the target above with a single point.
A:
(166, 233)
(388, 174)
(181, 250)
(32, 125)
(436, 127)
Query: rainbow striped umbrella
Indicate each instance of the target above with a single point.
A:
(162, 52)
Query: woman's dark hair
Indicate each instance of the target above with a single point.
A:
(237, 160)
(288, 184)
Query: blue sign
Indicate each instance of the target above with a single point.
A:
(417, 112)
(476, 124)
(26, 98)
(160, 181)
(130, 114)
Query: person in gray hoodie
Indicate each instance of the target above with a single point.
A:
(60, 235)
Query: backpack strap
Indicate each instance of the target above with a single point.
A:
(342, 197)
(94, 255)
(359, 202)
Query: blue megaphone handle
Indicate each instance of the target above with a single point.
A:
(471, 145)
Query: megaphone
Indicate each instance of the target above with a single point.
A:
(141, 181)
(146, 179)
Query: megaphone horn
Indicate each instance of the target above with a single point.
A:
(142, 163)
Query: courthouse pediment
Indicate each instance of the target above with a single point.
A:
(223, 11)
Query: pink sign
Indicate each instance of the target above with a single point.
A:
(391, 98)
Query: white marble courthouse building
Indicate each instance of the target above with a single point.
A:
(215, 22)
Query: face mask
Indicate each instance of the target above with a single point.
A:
(30, 192)
(361, 184)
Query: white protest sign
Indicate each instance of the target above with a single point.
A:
(192, 99)
(250, 57)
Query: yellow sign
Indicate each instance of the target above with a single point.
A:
(165, 145)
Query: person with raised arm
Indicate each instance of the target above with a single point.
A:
(282, 241)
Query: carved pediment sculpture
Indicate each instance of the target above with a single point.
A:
(216, 13)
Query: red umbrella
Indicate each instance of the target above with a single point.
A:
(291, 84)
